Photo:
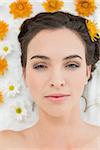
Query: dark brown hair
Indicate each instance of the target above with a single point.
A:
(53, 21)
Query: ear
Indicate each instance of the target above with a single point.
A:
(88, 72)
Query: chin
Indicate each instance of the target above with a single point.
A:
(56, 113)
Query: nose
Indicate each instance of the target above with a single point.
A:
(56, 85)
(57, 80)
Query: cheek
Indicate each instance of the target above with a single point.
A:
(35, 83)
(77, 83)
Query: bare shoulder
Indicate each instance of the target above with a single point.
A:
(95, 141)
(94, 144)
(9, 139)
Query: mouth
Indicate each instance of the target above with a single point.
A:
(57, 98)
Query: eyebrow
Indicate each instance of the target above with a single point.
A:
(47, 58)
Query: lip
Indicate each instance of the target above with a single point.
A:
(57, 97)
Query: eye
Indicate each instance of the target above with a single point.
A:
(39, 67)
(72, 66)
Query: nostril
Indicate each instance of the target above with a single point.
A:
(60, 84)
(52, 84)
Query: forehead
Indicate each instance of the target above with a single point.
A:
(56, 42)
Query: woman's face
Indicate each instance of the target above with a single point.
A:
(60, 67)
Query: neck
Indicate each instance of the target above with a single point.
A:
(67, 122)
(54, 129)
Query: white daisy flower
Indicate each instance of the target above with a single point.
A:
(5, 48)
(21, 110)
(11, 88)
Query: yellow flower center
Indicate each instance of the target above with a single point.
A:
(11, 87)
(53, 3)
(18, 110)
(85, 4)
(5, 49)
(20, 6)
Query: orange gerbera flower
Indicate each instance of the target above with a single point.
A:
(3, 65)
(20, 9)
(3, 29)
(1, 97)
(85, 7)
(93, 31)
(52, 5)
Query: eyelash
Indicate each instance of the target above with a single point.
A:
(70, 66)
(40, 67)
